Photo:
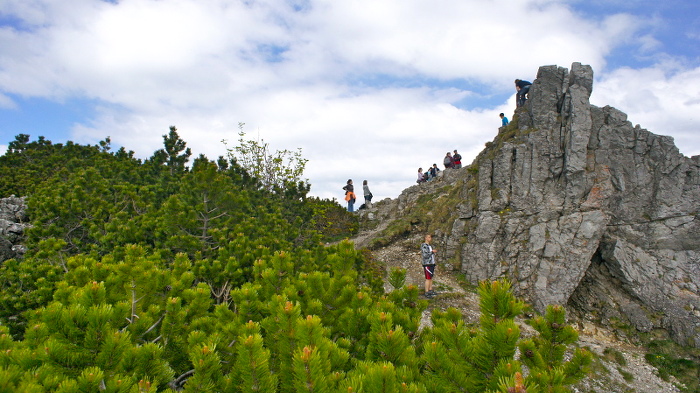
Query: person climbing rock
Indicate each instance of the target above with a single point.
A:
(522, 87)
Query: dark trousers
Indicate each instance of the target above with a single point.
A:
(520, 97)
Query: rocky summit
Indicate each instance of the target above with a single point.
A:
(577, 207)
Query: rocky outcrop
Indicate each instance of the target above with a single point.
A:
(577, 206)
(13, 222)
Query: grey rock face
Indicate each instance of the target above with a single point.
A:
(13, 222)
(6, 251)
(579, 181)
(576, 206)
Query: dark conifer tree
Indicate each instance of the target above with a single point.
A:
(176, 151)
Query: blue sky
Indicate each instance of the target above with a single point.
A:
(368, 89)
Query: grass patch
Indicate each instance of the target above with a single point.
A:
(441, 287)
(396, 229)
(625, 375)
(670, 359)
(604, 379)
(613, 355)
(449, 295)
(465, 284)
(511, 133)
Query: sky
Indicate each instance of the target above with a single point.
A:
(367, 89)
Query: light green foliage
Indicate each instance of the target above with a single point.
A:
(25, 286)
(544, 354)
(310, 371)
(207, 368)
(252, 371)
(274, 170)
(388, 342)
(459, 358)
(381, 377)
(397, 277)
(475, 360)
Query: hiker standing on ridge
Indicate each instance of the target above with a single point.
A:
(367, 193)
(428, 261)
(523, 87)
(504, 120)
(456, 160)
(448, 161)
(350, 195)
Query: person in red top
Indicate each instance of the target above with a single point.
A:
(456, 160)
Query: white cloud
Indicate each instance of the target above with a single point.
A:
(663, 99)
(7, 102)
(318, 77)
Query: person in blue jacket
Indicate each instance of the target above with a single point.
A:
(504, 120)
(522, 87)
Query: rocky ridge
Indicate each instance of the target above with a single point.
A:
(576, 206)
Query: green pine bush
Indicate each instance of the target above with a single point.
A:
(150, 276)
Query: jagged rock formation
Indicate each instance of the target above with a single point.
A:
(578, 207)
(13, 221)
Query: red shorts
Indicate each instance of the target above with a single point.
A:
(429, 271)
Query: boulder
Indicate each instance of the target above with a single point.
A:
(13, 222)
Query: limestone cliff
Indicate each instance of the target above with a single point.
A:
(576, 206)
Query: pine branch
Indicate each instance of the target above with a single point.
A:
(154, 325)
(178, 383)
